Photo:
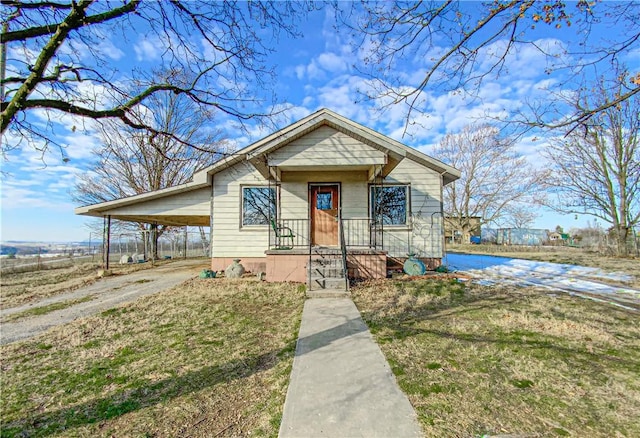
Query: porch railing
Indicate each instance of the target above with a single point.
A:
(343, 248)
(292, 233)
(361, 233)
(354, 233)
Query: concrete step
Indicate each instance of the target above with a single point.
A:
(326, 262)
(328, 293)
(327, 283)
(327, 272)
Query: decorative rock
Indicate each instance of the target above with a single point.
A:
(234, 270)
(104, 273)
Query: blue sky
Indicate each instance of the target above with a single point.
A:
(314, 71)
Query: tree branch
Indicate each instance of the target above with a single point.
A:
(38, 31)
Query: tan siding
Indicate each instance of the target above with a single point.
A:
(425, 238)
(193, 203)
(228, 238)
(327, 147)
(294, 202)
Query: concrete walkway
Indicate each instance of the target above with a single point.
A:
(341, 385)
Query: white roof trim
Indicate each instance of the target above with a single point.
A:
(274, 141)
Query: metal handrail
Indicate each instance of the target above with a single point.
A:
(343, 248)
(309, 262)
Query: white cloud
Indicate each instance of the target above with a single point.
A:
(16, 198)
(300, 71)
(148, 49)
(325, 65)
(332, 62)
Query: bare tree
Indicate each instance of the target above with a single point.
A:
(520, 216)
(460, 45)
(56, 60)
(596, 170)
(133, 162)
(495, 177)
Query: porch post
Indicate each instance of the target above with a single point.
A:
(442, 221)
(106, 237)
(185, 242)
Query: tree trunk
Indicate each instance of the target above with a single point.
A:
(622, 233)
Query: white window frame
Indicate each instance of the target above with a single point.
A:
(242, 209)
(407, 188)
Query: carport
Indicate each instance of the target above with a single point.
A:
(185, 205)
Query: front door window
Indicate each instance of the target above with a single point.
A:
(323, 201)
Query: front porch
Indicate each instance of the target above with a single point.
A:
(293, 264)
(295, 255)
(364, 251)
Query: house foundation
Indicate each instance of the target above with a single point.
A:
(291, 265)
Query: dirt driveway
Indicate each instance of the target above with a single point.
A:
(105, 294)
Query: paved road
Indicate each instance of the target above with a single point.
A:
(582, 281)
(107, 293)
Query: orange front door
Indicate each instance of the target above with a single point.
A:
(324, 214)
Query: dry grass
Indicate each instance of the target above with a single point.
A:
(503, 360)
(208, 358)
(29, 287)
(560, 254)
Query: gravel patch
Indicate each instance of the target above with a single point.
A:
(108, 292)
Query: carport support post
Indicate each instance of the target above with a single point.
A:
(185, 242)
(106, 240)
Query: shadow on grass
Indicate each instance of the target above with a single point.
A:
(406, 324)
(146, 395)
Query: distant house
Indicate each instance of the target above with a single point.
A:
(303, 200)
(453, 233)
(556, 238)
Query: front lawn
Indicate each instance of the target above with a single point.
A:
(211, 357)
(508, 361)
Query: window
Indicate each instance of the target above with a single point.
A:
(389, 204)
(324, 201)
(258, 205)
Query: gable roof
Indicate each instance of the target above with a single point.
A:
(324, 116)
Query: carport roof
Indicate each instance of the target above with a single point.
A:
(108, 208)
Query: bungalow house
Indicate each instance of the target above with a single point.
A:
(319, 201)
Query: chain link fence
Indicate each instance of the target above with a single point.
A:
(133, 246)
